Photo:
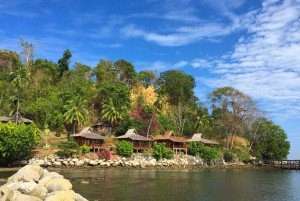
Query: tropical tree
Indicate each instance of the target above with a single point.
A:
(76, 112)
(113, 112)
(271, 142)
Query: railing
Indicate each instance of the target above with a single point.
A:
(284, 164)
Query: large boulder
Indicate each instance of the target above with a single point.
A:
(58, 185)
(27, 174)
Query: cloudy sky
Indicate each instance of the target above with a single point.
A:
(249, 44)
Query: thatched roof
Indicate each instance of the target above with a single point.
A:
(170, 136)
(15, 118)
(197, 137)
(89, 134)
(131, 134)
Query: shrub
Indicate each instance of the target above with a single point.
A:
(84, 149)
(243, 155)
(17, 141)
(124, 148)
(160, 151)
(228, 156)
(206, 153)
(105, 154)
(68, 149)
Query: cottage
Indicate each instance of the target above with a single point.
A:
(176, 143)
(15, 118)
(140, 143)
(88, 137)
(197, 137)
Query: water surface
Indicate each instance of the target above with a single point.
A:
(120, 184)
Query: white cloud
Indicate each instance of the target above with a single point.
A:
(266, 64)
(181, 36)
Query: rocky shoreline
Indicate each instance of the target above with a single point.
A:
(33, 183)
(136, 161)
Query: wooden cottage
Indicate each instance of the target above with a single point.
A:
(176, 143)
(140, 143)
(197, 137)
(15, 118)
(88, 137)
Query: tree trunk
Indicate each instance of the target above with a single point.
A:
(149, 126)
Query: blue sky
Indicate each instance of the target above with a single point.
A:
(251, 45)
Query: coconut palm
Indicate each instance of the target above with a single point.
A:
(76, 112)
(113, 112)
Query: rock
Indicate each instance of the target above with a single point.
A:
(27, 174)
(57, 163)
(93, 163)
(39, 191)
(58, 185)
(5, 193)
(17, 196)
(79, 163)
(61, 196)
(23, 187)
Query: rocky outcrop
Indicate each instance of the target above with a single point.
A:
(33, 183)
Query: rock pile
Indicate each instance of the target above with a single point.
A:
(136, 160)
(33, 183)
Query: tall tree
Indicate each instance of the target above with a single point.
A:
(126, 71)
(271, 142)
(63, 62)
(105, 71)
(232, 109)
(178, 87)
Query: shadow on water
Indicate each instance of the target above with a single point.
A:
(121, 184)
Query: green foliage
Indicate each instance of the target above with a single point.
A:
(17, 141)
(228, 156)
(84, 149)
(63, 62)
(160, 151)
(206, 153)
(124, 148)
(68, 149)
(76, 112)
(271, 143)
(242, 154)
(184, 83)
(146, 78)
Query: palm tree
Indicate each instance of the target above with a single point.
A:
(76, 112)
(113, 112)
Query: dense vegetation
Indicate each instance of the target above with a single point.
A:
(124, 148)
(17, 141)
(64, 98)
(160, 151)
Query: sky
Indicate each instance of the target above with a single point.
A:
(252, 45)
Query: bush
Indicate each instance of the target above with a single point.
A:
(124, 148)
(160, 151)
(243, 155)
(17, 141)
(84, 149)
(68, 149)
(228, 156)
(206, 153)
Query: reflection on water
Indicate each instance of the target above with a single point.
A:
(122, 184)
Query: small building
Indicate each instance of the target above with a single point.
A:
(140, 143)
(88, 137)
(176, 143)
(197, 137)
(17, 118)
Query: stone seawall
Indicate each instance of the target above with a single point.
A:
(138, 161)
(33, 183)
